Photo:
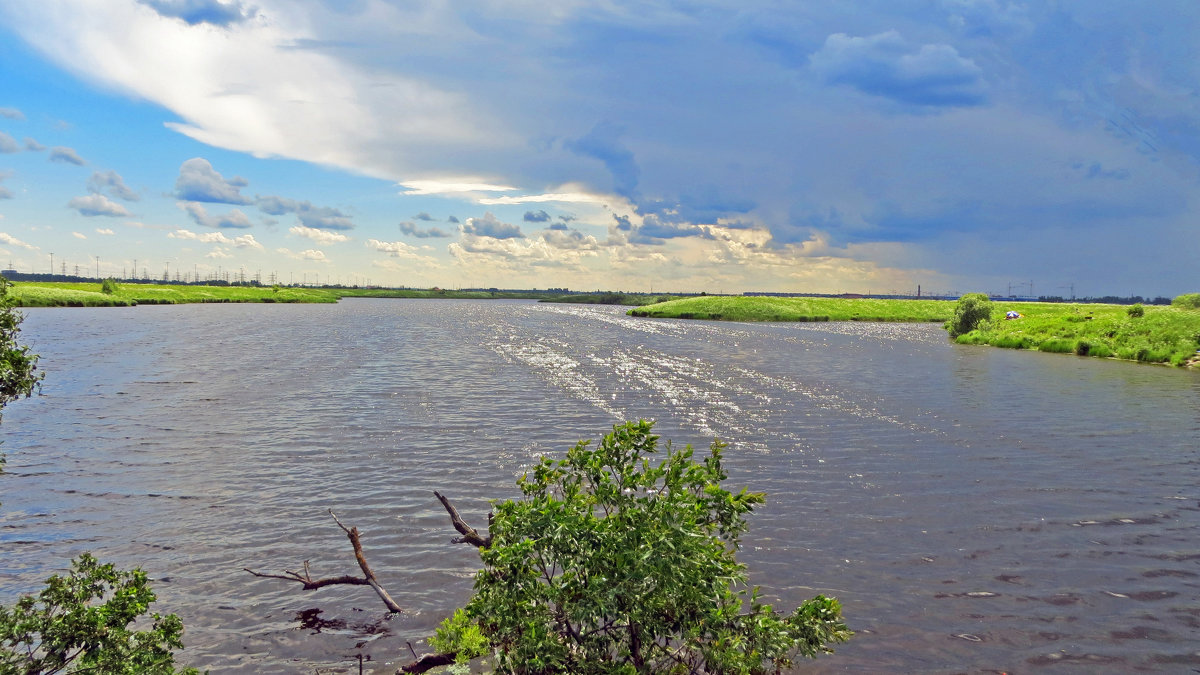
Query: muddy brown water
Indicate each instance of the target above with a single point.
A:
(975, 509)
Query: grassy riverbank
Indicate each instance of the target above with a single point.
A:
(1160, 335)
(628, 299)
(74, 294)
(69, 294)
(756, 308)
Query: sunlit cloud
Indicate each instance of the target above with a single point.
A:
(13, 241)
(319, 236)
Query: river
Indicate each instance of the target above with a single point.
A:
(974, 509)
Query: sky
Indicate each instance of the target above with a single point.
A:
(870, 146)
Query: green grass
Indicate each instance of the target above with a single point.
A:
(60, 294)
(1161, 335)
(758, 308)
(64, 294)
(628, 299)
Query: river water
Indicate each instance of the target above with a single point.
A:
(975, 509)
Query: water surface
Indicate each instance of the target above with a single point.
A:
(975, 509)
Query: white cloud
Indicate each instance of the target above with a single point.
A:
(450, 186)
(218, 253)
(234, 219)
(199, 182)
(12, 114)
(112, 183)
(491, 226)
(79, 235)
(13, 241)
(308, 254)
(66, 155)
(319, 236)
(105, 231)
(8, 144)
(241, 241)
(98, 205)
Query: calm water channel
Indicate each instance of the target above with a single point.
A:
(976, 510)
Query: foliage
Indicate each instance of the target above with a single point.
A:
(460, 635)
(1136, 311)
(969, 311)
(1187, 301)
(81, 623)
(109, 286)
(18, 367)
(1160, 335)
(611, 564)
(769, 308)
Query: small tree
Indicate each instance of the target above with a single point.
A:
(18, 367)
(81, 623)
(971, 309)
(610, 564)
(109, 286)
(1187, 301)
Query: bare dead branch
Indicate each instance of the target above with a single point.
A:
(368, 578)
(428, 662)
(469, 534)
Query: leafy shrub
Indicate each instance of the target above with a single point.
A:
(1100, 350)
(611, 564)
(1057, 346)
(1012, 342)
(970, 310)
(81, 623)
(18, 376)
(1136, 311)
(108, 286)
(1187, 301)
(1083, 347)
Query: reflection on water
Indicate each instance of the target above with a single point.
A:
(976, 510)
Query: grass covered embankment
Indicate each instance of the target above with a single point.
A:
(759, 308)
(91, 294)
(628, 299)
(1152, 334)
(71, 294)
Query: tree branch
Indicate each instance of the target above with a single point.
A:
(429, 662)
(469, 534)
(368, 578)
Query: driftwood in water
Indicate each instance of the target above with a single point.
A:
(469, 536)
(368, 578)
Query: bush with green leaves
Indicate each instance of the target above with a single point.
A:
(613, 564)
(109, 286)
(80, 623)
(1136, 311)
(969, 312)
(1187, 301)
(18, 366)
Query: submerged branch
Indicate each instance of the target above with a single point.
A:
(368, 578)
(469, 534)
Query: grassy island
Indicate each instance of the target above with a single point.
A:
(758, 308)
(1152, 334)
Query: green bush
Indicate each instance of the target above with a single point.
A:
(612, 564)
(1187, 301)
(1083, 347)
(1100, 350)
(971, 309)
(1136, 311)
(1057, 346)
(18, 367)
(109, 286)
(1012, 342)
(80, 623)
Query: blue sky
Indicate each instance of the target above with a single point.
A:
(959, 145)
